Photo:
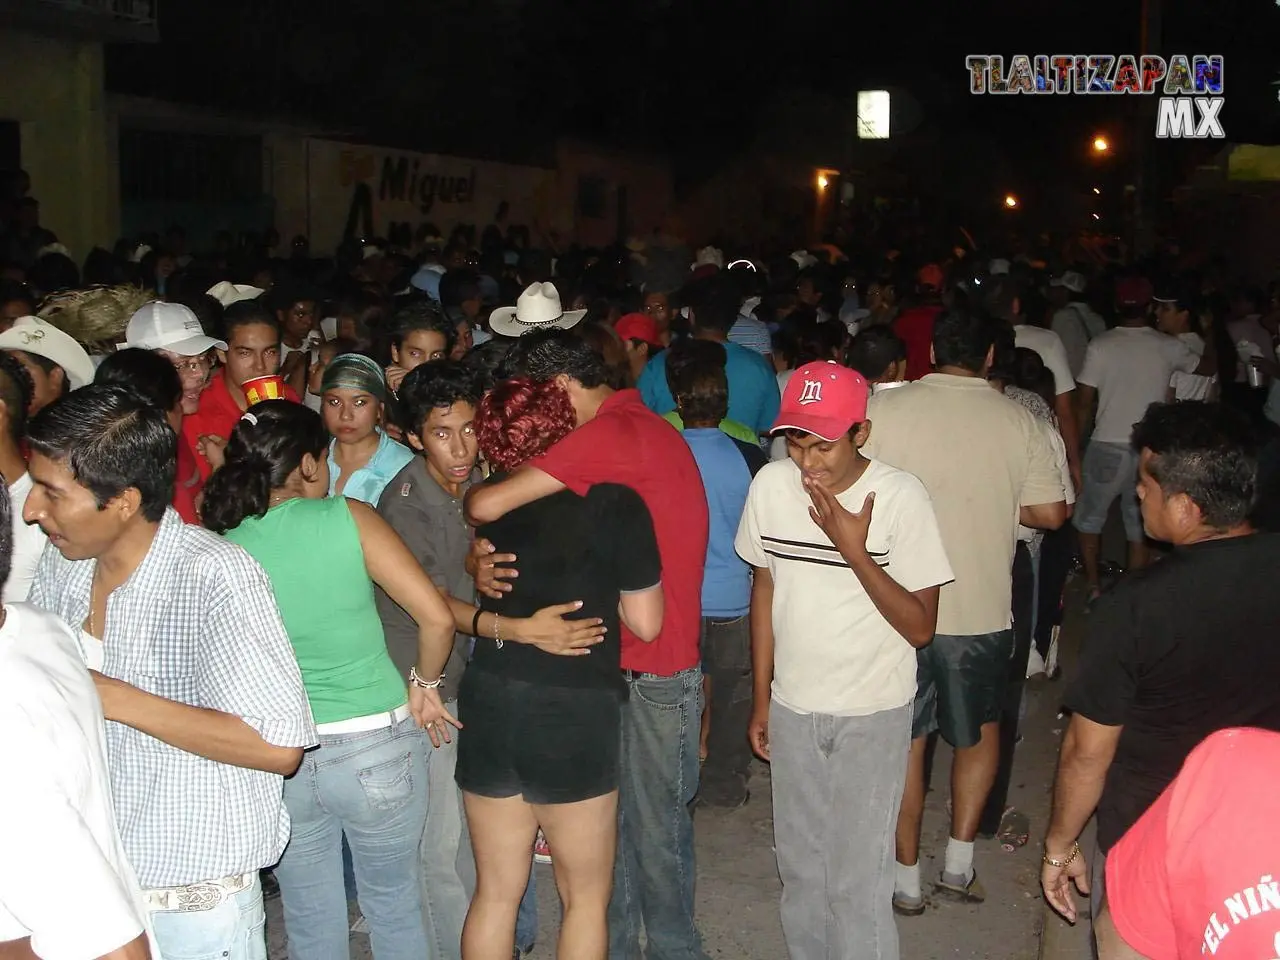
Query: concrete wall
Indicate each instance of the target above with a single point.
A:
(636, 189)
(64, 131)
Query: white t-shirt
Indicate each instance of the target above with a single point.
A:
(55, 812)
(1076, 325)
(28, 544)
(1049, 345)
(834, 653)
(1131, 368)
(1191, 386)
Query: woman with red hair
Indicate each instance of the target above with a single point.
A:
(542, 739)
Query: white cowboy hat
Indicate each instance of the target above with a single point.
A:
(537, 309)
(39, 337)
(227, 293)
(708, 257)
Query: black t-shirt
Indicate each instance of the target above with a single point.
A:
(1186, 647)
(568, 547)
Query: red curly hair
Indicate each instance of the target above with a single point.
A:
(522, 418)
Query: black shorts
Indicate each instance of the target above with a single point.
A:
(545, 744)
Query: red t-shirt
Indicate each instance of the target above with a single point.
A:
(216, 417)
(1199, 873)
(184, 489)
(915, 327)
(627, 443)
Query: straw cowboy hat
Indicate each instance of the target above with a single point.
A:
(537, 309)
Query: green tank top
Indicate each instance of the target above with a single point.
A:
(311, 551)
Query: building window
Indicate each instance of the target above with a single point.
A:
(158, 165)
(593, 198)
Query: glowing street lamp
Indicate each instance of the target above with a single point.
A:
(822, 181)
(1100, 144)
(1097, 192)
(1010, 201)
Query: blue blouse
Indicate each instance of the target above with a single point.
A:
(369, 481)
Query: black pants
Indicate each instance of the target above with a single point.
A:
(1023, 603)
(1056, 551)
(726, 661)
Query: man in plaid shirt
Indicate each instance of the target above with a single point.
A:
(204, 700)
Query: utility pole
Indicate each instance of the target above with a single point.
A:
(1140, 137)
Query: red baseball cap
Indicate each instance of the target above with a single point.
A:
(638, 326)
(1134, 291)
(930, 275)
(823, 398)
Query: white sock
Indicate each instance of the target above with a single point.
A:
(907, 880)
(959, 859)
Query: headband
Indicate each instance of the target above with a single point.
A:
(354, 371)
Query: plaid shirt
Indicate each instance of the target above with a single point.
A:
(196, 623)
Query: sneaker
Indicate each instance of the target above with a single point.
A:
(541, 851)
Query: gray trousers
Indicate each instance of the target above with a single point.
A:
(837, 787)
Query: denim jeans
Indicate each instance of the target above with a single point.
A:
(233, 930)
(448, 867)
(372, 787)
(837, 786)
(527, 918)
(726, 660)
(653, 876)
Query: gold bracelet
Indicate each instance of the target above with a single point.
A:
(1055, 862)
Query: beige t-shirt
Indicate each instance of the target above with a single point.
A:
(834, 652)
(981, 457)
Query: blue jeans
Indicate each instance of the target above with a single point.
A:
(448, 867)
(233, 930)
(527, 918)
(372, 787)
(653, 875)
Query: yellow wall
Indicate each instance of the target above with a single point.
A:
(59, 104)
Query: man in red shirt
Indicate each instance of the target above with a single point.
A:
(619, 440)
(252, 350)
(914, 325)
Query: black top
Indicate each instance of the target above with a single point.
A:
(752, 454)
(568, 547)
(1186, 647)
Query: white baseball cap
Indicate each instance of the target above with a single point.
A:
(159, 325)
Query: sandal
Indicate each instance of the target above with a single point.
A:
(971, 892)
(1015, 830)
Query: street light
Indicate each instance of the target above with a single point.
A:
(1097, 192)
(822, 181)
(1100, 144)
(1010, 201)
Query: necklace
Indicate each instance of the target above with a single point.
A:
(93, 593)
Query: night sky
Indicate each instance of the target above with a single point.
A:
(494, 77)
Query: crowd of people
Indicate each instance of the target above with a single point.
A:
(382, 577)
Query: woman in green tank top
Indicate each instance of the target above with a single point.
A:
(367, 779)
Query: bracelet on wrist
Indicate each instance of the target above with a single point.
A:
(417, 681)
(497, 630)
(475, 623)
(1061, 862)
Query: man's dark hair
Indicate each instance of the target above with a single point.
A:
(697, 379)
(459, 286)
(873, 351)
(146, 373)
(6, 535)
(1207, 451)
(11, 291)
(111, 439)
(435, 385)
(245, 313)
(421, 314)
(715, 304)
(487, 361)
(545, 354)
(962, 339)
(16, 390)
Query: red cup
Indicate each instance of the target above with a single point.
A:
(263, 388)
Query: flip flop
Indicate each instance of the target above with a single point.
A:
(1015, 830)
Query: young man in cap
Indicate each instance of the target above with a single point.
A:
(848, 564)
(56, 363)
(1126, 370)
(639, 335)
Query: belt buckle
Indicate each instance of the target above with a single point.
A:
(199, 897)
